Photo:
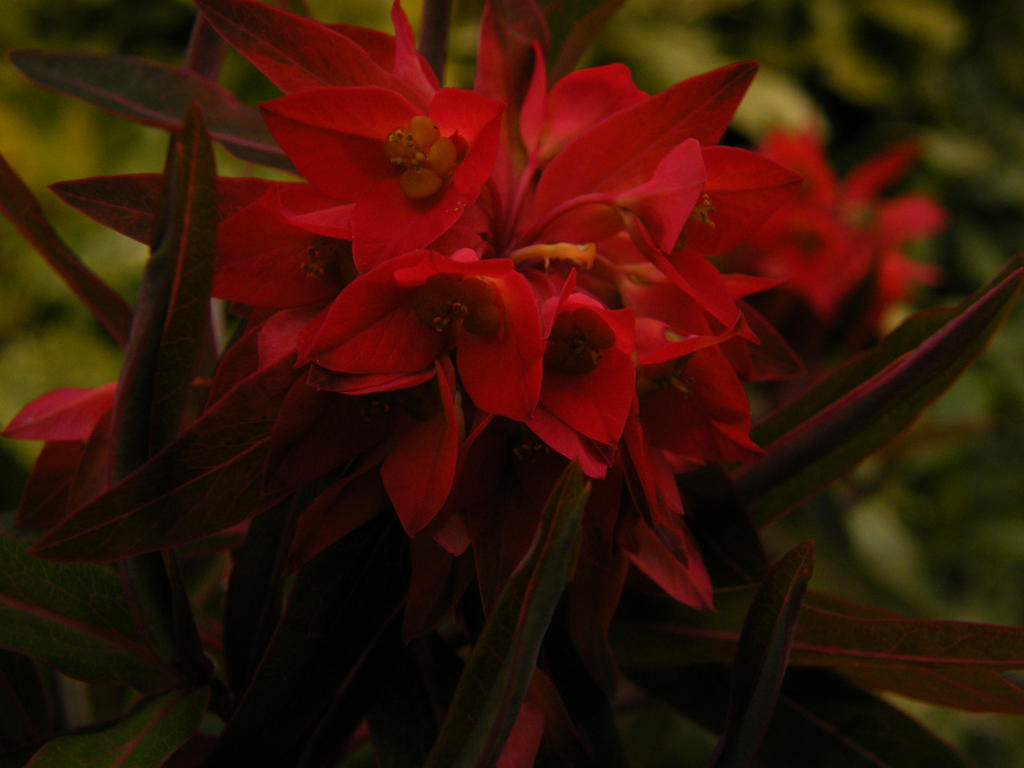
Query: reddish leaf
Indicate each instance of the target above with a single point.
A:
(574, 24)
(944, 662)
(201, 483)
(44, 501)
(810, 456)
(154, 94)
(128, 204)
(21, 208)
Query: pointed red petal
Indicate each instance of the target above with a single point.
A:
(63, 414)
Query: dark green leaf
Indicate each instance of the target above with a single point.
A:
(27, 706)
(829, 444)
(200, 484)
(144, 739)
(186, 238)
(254, 592)
(498, 673)
(72, 617)
(762, 654)
(820, 719)
(21, 208)
(154, 94)
(342, 604)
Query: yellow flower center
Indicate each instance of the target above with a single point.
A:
(425, 157)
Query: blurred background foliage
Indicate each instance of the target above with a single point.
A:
(934, 526)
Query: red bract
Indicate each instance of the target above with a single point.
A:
(839, 236)
(411, 173)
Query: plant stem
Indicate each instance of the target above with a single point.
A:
(434, 34)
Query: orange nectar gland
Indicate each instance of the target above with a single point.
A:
(426, 157)
(447, 297)
(577, 341)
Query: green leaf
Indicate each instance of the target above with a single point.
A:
(144, 739)
(820, 719)
(498, 673)
(343, 603)
(761, 657)
(154, 94)
(24, 212)
(72, 617)
(837, 437)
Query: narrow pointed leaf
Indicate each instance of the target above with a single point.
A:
(147, 737)
(820, 719)
(128, 204)
(71, 617)
(574, 24)
(200, 484)
(761, 657)
(498, 673)
(188, 240)
(811, 456)
(944, 662)
(154, 94)
(24, 212)
(342, 603)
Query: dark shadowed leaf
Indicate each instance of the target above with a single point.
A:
(27, 706)
(944, 662)
(342, 604)
(728, 540)
(200, 484)
(146, 738)
(72, 617)
(24, 212)
(820, 719)
(830, 443)
(128, 204)
(253, 604)
(761, 656)
(154, 94)
(498, 673)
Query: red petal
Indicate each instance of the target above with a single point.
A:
(624, 149)
(872, 176)
(420, 467)
(62, 415)
(744, 189)
(297, 54)
(335, 136)
(686, 582)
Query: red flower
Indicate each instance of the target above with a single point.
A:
(410, 174)
(402, 315)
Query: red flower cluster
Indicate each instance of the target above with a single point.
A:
(470, 289)
(839, 236)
